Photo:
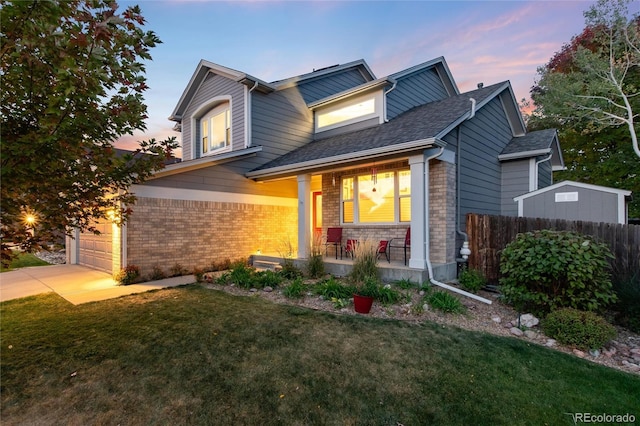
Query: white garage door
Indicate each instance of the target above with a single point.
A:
(95, 250)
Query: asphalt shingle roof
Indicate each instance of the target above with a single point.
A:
(422, 122)
(533, 141)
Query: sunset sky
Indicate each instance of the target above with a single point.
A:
(482, 41)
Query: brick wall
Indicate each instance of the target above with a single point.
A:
(194, 234)
(442, 210)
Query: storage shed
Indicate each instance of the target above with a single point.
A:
(570, 200)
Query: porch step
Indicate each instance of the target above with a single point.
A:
(265, 265)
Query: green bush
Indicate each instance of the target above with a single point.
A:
(128, 275)
(157, 273)
(332, 288)
(445, 302)
(584, 330)
(266, 278)
(241, 275)
(472, 280)
(315, 266)
(295, 290)
(289, 271)
(627, 308)
(388, 295)
(546, 270)
(405, 284)
(177, 270)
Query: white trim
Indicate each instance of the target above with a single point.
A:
(533, 175)
(620, 192)
(304, 215)
(377, 111)
(622, 210)
(148, 191)
(202, 111)
(345, 158)
(524, 154)
(207, 161)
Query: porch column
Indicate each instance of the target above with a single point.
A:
(419, 211)
(72, 245)
(304, 216)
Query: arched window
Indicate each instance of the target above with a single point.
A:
(215, 129)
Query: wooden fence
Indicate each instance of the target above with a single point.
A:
(488, 235)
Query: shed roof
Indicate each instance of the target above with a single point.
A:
(619, 192)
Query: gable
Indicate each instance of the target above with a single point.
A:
(415, 90)
(321, 87)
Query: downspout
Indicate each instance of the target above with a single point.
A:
(537, 164)
(426, 248)
(247, 121)
(395, 83)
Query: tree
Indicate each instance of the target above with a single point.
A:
(72, 84)
(593, 81)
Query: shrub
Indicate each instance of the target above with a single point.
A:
(295, 290)
(472, 280)
(333, 288)
(266, 278)
(627, 308)
(387, 295)
(546, 270)
(315, 265)
(222, 265)
(585, 330)
(365, 262)
(444, 302)
(157, 273)
(368, 287)
(177, 270)
(289, 271)
(128, 275)
(241, 275)
(405, 284)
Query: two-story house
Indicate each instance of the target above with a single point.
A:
(269, 163)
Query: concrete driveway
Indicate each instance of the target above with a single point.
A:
(77, 284)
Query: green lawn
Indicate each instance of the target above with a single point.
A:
(191, 355)
(23, 260)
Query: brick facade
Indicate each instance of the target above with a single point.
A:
(442, 193)
(163, 232)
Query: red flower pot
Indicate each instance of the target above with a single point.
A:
(362, 304)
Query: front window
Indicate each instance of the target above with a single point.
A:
(383, 197)
(215, 129)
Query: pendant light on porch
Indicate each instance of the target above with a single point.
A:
(374, 177)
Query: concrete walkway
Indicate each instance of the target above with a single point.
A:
(77, 284)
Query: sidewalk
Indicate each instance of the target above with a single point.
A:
(77, 284)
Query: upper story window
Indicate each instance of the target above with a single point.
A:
(348, 112)
(383, 198)
(215, 129)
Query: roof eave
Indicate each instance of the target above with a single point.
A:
(204, 162)
(369, 86)
(523, 154)
(337, 160)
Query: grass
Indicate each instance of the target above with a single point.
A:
(22, 261)
(191, 355)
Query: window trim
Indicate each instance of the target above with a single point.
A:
(203, 111)
(356, 198)
(377, 111)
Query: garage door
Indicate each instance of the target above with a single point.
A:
(95, 250)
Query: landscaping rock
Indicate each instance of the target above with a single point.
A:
(516, 331)
(550, 343)
(578, 353)
(267, 289)
(528, 320)
(631, 365)
(530, 334)
(594, 353)
(496, 319)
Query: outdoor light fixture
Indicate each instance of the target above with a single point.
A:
(374, 177)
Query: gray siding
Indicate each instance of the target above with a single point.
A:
(322, 87)
(515, 182)
(414, 90)
(227, 178)
(545, 174)
(592, 205)
(212, 86)
(281, 123)
(483, 138)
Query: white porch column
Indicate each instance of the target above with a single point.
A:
(419, 211)
(304, 216)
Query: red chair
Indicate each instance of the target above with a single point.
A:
(350, 248)
(334, 238)
(396, 243)
(383, 248)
